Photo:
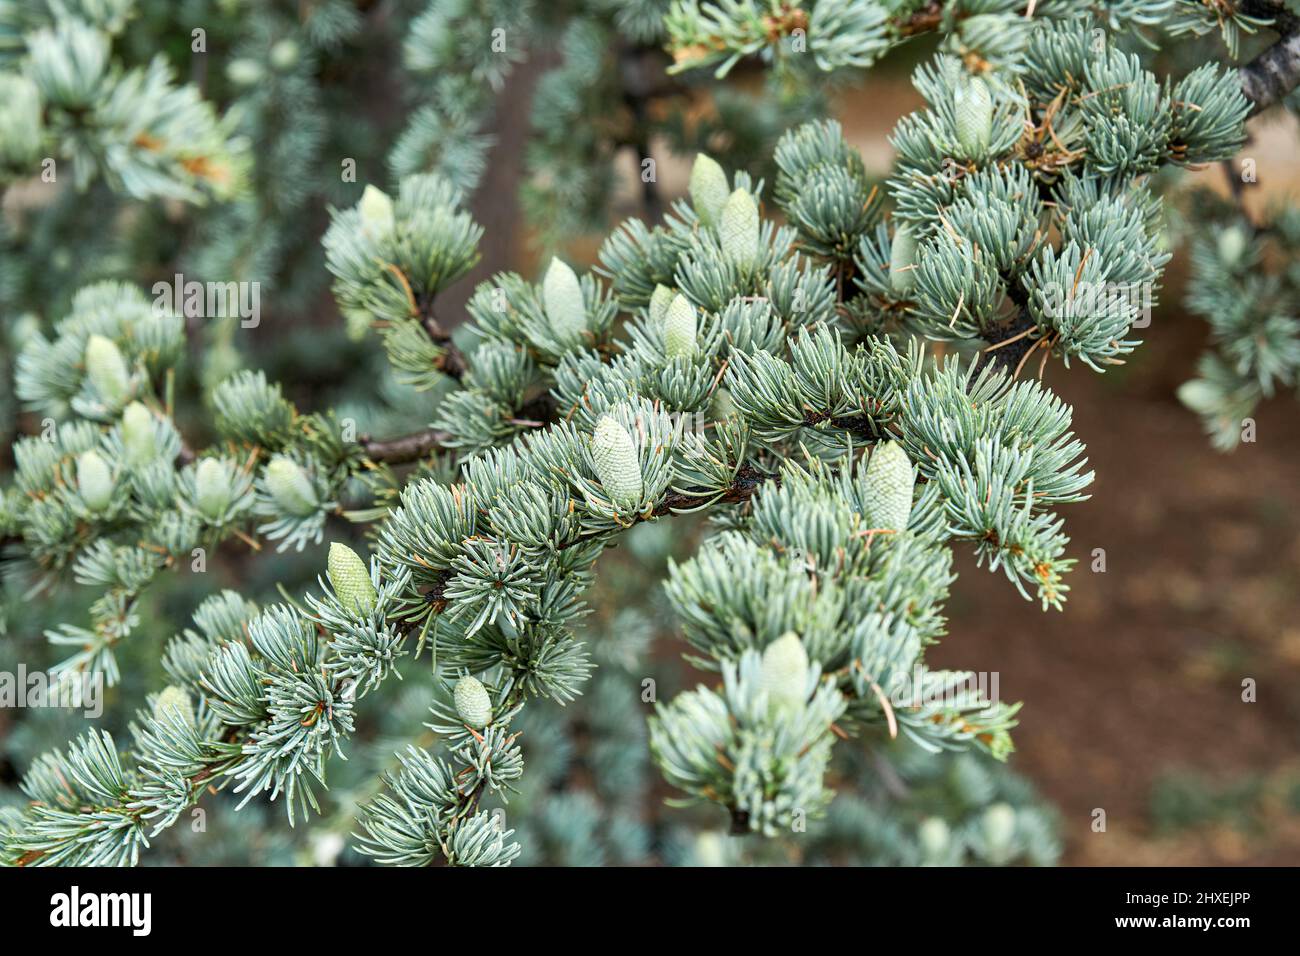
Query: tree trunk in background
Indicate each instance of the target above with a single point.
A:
(495, 204)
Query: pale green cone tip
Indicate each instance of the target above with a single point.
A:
(708, 189)
(934, 837)
(722, 406)
(999, 825)
(106, 369)
(680, 328)
(785, 672)
(138, 439)
(350, 579)
(889, 481)
(1232, 244)
(211, 488)
(173, 700)
(973, 110)
(290, 487)
(738, 229)
(473, 705)
(659, 301)
(378, 216)
(94, 480)
(902, 261)
(1200, 396)
(244, 71)
(614, 456)
(284, 54)
(562, 300)
(20, 117)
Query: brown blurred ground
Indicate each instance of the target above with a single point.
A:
(1142, 673)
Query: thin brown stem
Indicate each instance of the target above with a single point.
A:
(407, 448)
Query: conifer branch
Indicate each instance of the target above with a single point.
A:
(713, 358)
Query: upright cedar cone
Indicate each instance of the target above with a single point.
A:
(1231, 245)
(902, 261)
(94, 480)
(614, 455)
(107, 371)
(378, 217)
(211, 488)
(998, 827)
(738, 229)
(350, 580)
(21, 121)
(785, 673)
(935, 837)
(290, 487)
(659, 302)
(709, 189)
(138, 439)
(473, 705)
(679, 328)
(173, 700)
(973, 108)
(562, 299)
(889, 480)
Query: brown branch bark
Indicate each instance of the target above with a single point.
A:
(407, 448)
(746, 483)
(452, 362)
(1009, 356)
(1273, 74)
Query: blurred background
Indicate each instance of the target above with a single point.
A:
(1133, 695)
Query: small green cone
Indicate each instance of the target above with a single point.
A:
(935, 837)
(998, 826)
(902, 260)
(21, 120)
(284, 55)
(290, 487)
(723, 405)
(173, 700)
(350, 580)
(473, 705)
(889, 480)
(245, 71)
(378, 216)
(738, 229)
(614, 455)
(1232, 245)
(709, 189)
(138, 439)
(107, 371)
(1200, 396)
(680, 328)
(562, 299)
(973, 109)
(659, 302)
(94, 480)
(211, 488)
(785, 673)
